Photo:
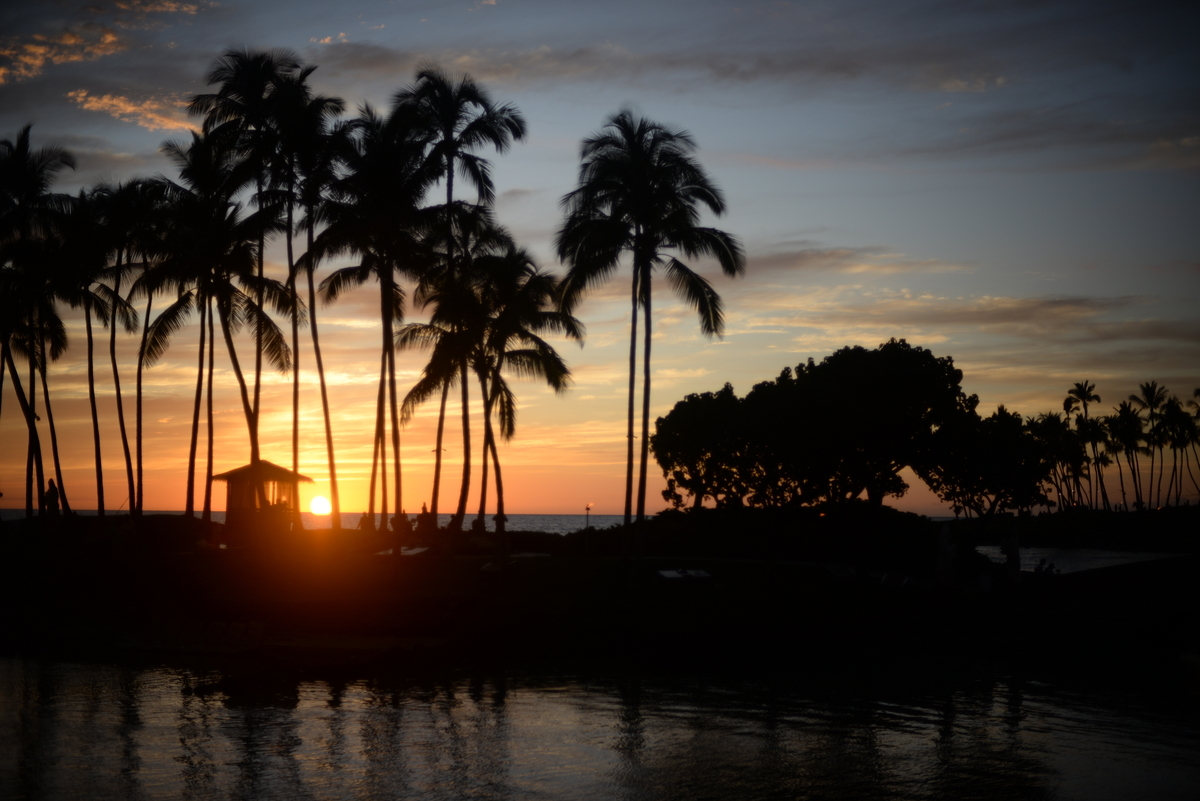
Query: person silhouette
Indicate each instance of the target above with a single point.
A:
(52, 499)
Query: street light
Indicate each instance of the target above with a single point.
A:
(587, 516)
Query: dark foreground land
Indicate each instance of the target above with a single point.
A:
(712, 586)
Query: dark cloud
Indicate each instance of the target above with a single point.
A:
(810, 256)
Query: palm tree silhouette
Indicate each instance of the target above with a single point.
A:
(521, 302)
(1151, 401)
(640, 191)
(210, 252)
(28, 211)
(459, 117)
(243, 109)
(374, 212)
(314, 141)
(1081, 395)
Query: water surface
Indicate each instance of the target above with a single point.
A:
(267, 731)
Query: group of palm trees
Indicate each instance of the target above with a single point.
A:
(1136, 436)
(273, 159)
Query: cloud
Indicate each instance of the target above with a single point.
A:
(159, 114)
(26, 59)
(875, 260)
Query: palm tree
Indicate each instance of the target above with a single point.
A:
(1151, 401)
(374, 212)
(640, 191)
(308, 144)
(28, 211)
(1080, 395)
(127, 210)
(79, 257)
(522, 302)
(210, 249)
(459, 117)
(243, 108)
(316, 144)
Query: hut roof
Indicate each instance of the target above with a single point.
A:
(260, 471)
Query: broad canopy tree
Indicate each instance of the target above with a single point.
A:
(826, 432)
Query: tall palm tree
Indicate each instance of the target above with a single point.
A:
(641, 191)
(522, 303)
(459, 117)
(28, 212)
(79, 258)
(210, 249)
(243, 108)
(127, 211)
(375, 213)
(308, 142)
(1151, 400)
(1081, 395)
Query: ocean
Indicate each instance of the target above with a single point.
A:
(549, 524)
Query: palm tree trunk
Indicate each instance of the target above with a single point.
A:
(645, 443)
(33, 450)
(252, 419)
(501, 519)
(206, 514)
(389, 353)
(632, 389)
(190, 501)
(483, 465)
(141, 362)
(112, 354)
(437, 457)
(62, 492)
(1121, 477)
(376, 456)
(241, 379)
(291, 285)
(91, 365)
(465, 488)
(35, 446)
(334, 499)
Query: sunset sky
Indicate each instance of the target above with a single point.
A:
(1015, 185)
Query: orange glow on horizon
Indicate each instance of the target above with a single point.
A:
(320, 506)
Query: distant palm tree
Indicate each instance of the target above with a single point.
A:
(1081, 395)
(1151, 401)
(459, 117)
(640, 192)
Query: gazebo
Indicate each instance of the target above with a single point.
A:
(262, 498)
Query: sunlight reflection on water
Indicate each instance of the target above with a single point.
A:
(109, 731)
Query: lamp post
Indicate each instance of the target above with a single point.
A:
(587, 516)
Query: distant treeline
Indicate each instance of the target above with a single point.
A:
(845, 427)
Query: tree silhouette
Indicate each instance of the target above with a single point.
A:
(640, 192)
(458, 116)
(375, 213)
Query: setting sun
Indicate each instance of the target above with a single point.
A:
(320, 505)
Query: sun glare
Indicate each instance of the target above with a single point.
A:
(320, 505)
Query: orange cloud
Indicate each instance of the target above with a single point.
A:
(27, 59)
(155, 115)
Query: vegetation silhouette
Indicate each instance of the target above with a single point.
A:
(817, 435)
(640, 192)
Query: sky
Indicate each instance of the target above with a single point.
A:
(1014, 185)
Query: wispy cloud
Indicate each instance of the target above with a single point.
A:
(157, 114)
(875, 260)
(26, 59)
